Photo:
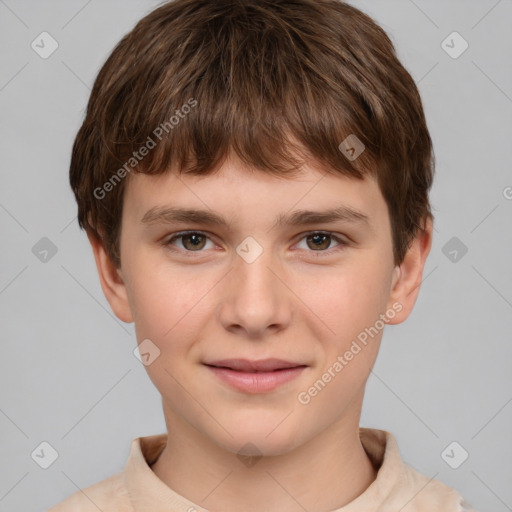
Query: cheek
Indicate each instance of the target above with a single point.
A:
(170, 311)
(350, 305)
(348, 301)
(165, 303)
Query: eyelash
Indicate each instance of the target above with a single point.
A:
(168, 243)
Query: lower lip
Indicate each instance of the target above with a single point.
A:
(256, 382)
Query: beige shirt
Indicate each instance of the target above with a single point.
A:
(398, 487)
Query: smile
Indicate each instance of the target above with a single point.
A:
(255, 376)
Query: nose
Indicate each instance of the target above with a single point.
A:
(255, 301)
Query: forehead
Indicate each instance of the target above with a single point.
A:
(244, 194)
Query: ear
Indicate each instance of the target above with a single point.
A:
(111, 281)
(408, 276)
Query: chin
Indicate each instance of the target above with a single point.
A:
(257, 437)
(250, 446)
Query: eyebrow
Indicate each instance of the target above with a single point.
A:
(168, 215)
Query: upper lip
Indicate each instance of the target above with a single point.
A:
(262, 365)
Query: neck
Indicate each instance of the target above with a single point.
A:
(324, 474)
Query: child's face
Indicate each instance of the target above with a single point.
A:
(294, 302)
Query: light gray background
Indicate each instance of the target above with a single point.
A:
(68, 374)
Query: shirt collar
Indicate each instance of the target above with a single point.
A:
(149, 494)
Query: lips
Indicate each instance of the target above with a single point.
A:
(255, 377)
(263, 365)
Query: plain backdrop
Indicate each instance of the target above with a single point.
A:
(68, 374)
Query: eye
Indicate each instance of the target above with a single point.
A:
(191, 241)
(195, 241)
(320, 241)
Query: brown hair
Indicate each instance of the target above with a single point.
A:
(278, 82)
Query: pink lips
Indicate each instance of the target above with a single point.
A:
(255, 376)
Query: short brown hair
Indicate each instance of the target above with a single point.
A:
(266, 79)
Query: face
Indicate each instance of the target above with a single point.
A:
(274, 282)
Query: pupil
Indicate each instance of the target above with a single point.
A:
(193, 241)
(319, 239)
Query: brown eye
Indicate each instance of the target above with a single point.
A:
(318, 241)
(190, 242)
(194, 241)
(322, 242)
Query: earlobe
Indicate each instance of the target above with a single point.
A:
(111, 281)
(407, 278)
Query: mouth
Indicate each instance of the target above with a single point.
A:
(255, 376)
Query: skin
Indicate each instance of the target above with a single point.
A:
(287, 304)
